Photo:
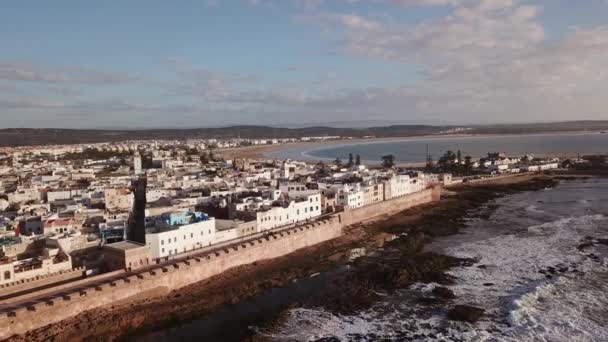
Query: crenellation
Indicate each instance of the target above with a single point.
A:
(178, 273)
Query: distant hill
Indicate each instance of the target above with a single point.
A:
(566, 126)
(45, 136)
(31, 136)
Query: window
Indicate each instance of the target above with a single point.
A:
(162, 242)
(162, 250)
(7, 275)
(175, 239)
(191, 235)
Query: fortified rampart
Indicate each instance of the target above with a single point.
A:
(180, 273)
(388, 207)
(40, 281)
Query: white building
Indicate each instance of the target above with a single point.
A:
(498, 168)
(302, 209)
(137, 164)
(179, 232)
(24, 195)
(350, 196)
(401, 185)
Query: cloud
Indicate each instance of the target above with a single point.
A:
(29, 72)
(483, 29)
(487, 58)
(484, 61)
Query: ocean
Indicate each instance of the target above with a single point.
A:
(413, 150)
(541, 274)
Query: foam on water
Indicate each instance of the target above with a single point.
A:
(531, 278)
(534, 209)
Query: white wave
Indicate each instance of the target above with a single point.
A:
(313, 324)
(533, 209)
(534, 283)
(552, 227)
(562, 311)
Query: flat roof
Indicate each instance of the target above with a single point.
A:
(125, 245)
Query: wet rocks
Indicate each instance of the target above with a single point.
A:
(443, 293)
(585, 245)
(465, 313)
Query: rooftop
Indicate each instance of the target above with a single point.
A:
(125, 245)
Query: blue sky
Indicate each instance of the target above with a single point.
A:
(137, 64)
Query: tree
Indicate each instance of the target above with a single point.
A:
(358, 159)
(351, 160)
(388, 161)
(338, 162)
(447, 162)
(468, 166)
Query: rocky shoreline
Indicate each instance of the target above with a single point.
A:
(401, 262)
(394, 260)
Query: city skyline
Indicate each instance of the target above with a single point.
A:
(301, 62)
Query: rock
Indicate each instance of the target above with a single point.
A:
(443, 292)
(482, 267)
(430, 301)
(582, 246)
(488, 284)
(551, 270)
(465, 313)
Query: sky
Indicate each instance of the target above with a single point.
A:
(207, 63)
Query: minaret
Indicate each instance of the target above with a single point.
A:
(137, 220)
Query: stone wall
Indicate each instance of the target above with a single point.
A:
(388, 207)
(40, 281)
(179, 273)
(171, 276)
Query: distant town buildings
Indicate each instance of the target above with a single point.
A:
(72, 207)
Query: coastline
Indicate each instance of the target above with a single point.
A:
(164, 309)
(268, 151)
